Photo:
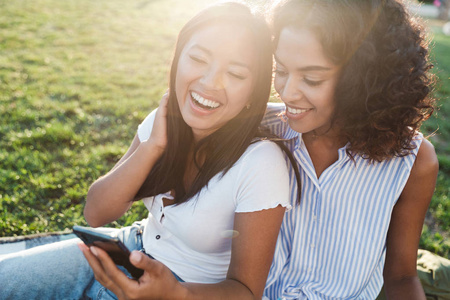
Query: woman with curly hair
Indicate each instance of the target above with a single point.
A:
(354, 78)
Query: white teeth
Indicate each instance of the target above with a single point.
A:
(296, 111)
(204, 101)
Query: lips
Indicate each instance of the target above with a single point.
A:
(204, 103)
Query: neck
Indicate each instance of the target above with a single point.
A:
(329, 139)
(323, 149)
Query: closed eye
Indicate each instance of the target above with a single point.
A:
(238, 76)
(197, 59)
(312, 82)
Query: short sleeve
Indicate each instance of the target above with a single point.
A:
(145, 128)
(262, 181)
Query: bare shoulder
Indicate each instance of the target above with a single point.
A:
(422, 179)
(426, 162)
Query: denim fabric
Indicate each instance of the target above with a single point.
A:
(57, 271)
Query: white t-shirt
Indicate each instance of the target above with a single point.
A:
(194, 238)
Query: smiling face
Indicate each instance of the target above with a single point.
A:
(306, 80)
(215, 77)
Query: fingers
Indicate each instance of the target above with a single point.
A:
(112, 272)
(92, 259)
(166, 95)
(157, 281)
(158, 137)
(106, 272)
(164, 100)
(153, 269)
(142, 261)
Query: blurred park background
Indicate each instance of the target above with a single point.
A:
(78, 76)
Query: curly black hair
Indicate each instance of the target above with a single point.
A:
(382, 96)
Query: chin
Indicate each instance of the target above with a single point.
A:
(296, 126)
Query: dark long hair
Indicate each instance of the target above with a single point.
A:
(382, 96)
(222, 148)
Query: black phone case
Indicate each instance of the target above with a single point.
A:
(118, 252)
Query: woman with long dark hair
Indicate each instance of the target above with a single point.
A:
(215, 189)
(354, 78)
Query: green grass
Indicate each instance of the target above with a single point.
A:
(436, 231)
(76, 79)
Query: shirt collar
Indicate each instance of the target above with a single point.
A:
(291, 134)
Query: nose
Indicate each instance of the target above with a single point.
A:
(213, 79)
(290, 91)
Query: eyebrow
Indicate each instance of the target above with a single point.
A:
(234, 62)
(306, 68)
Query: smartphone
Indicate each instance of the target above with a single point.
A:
(118, 252)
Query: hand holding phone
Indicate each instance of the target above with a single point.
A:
(118, 252)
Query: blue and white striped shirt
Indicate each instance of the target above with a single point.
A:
(332, 245)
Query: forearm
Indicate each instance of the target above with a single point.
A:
(227, 289)
(116, 189)
(252, 255)
(404, 288)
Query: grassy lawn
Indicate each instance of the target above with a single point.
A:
(76, 79)
(436, 231)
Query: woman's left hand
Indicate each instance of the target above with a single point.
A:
(157, 282)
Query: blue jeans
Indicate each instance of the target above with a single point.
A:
(57, 271)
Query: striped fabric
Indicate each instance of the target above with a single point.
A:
(332, 245)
